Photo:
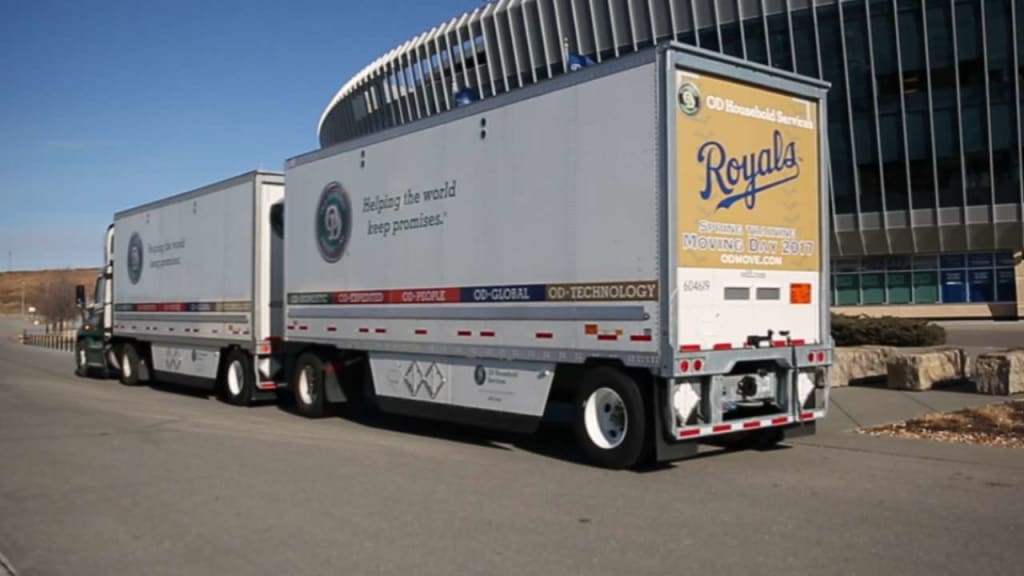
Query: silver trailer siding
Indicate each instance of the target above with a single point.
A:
(192, 277)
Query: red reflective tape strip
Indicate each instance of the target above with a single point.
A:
(273, 338)
(799, 342)
(421, 332)
(778, 343)
(607, 337)
(807, 416)
(721, 428)
(464, 333)
(690, 433)
(267, 385)
(690, 348)
(544, 335)
(782, 420)
(332, 328)
(487, 334)
(364, 330)
(381, 330)
(303, 328)
(641, 338)
(722, 346)
(754, 424)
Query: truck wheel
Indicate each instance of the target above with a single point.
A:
(611, 421)
(81, 366)
(236, 383)
(129, 365)
(308, 385)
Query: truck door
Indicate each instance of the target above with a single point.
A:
(748, 212)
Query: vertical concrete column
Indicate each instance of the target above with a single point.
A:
(1018, 276)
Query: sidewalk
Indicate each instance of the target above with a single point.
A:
(864, 406)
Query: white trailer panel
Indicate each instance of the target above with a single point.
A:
(193, 267)
(528, 230)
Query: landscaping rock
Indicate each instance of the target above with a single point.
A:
(860, 363)
(1000, 373)
(922, 370)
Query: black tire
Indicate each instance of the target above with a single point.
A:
(81, 366)
(615, 448)
(130, 365)
(237, 388)
(308, 386)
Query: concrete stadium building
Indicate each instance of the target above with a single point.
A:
(924, 118)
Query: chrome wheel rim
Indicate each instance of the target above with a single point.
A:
(306, 386)
(235, 378)
(605, 418)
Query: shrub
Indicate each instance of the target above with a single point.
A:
(885, 331)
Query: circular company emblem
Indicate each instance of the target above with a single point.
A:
(480, 375)
(689, 99)
(333, 222)
(135, 258)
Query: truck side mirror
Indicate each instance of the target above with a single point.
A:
(80, 296)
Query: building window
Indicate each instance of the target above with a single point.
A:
(847, 289)
(944, 279)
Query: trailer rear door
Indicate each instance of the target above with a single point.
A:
(748, 208)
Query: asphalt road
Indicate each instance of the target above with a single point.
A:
(96, 478)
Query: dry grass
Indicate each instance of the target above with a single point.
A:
(993, 425)
(34, 281)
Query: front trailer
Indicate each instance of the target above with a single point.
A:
(643, 240)
(188, 291)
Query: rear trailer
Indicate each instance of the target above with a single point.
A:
(641, 239)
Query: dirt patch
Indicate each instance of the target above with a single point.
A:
(34, 282)
(993, 425)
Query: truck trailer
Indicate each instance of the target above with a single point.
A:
(644, 240)
(187, 292)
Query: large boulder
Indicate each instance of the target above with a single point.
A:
(860, 363)
(1000, 373)
(923, 369)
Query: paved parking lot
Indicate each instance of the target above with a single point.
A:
(96, 478)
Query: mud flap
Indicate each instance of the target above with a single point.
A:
(667, 448)
(332, 382)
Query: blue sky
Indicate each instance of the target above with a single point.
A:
(108, 104)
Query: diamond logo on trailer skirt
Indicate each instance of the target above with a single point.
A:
(431, 379)
(333, 222)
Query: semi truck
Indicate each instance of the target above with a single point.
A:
(644, 241)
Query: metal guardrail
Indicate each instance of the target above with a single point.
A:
(59, 340)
